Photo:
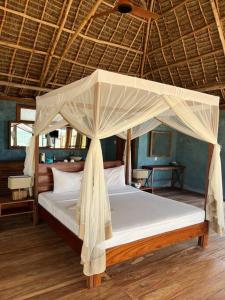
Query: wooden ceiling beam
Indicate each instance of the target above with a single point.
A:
(218, 23)
(181, 62)
(18, 99)
(211, 87)
(102, 42)
(3, 43)
(83, 36)
(24, 86)
(18, 77)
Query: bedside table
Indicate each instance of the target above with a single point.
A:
(9, 207)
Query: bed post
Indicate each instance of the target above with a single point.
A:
(203, 240)
(94, 281)
(36, 162)
(128, 156)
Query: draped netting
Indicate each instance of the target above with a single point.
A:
(105, 104)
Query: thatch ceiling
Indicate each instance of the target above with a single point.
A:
(45, 44)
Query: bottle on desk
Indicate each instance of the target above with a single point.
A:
(42, 158)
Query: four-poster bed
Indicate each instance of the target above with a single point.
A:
(105, 104)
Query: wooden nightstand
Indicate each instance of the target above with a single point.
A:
(9, 207)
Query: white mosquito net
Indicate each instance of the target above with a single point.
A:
(105, 104)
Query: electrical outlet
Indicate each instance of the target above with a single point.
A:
(156, 158)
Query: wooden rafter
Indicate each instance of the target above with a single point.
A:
(25, 79)
(54, 42)
(148, 28)
(55, 26)
(182, 37)
(218, 23)
(24, 86)
(99, 41)
(17, 99)
(179, 63)
(211, 87)
(125, 56)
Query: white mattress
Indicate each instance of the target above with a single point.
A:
(135, 214)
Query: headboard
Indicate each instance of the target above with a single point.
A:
(45, 176)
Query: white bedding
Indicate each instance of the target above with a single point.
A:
(135, 214)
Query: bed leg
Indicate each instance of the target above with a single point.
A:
(203, 240)
(94, 281)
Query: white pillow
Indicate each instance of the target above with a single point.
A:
(66, 181)
(115, 177)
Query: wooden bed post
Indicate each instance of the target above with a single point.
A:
(203, 240)
(94, 281)
(36, 162)
(128, 156)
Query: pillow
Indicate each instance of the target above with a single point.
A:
(66, 181)
(115, 177)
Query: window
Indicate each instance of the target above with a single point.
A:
(25, 113)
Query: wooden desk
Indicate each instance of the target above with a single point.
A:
(177, 174)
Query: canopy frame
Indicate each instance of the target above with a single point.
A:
(125, 103)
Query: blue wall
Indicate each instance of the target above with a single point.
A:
(160, 178)
(193, 154)
(8, 113)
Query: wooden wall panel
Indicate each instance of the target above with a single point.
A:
(9, 168)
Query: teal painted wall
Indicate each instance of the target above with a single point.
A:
(193, 154)
(161, 178)
(8, 113)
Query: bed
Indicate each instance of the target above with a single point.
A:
(141, 221)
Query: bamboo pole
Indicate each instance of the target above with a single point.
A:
(128, 156)
(36, 170)
(219, 24)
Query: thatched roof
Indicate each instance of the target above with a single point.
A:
(45, 44)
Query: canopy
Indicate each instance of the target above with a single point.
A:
(105, 104)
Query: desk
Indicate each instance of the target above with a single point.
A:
(177, 174)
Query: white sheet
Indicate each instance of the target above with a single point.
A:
(135, 214)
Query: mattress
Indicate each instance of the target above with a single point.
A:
(135, 214)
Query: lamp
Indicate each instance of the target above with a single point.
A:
(20, 186)
(139, 175)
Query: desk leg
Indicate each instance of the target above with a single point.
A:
(147, 182)
(172, 179)
(152, 183)
(182, 179)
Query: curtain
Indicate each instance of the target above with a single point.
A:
(137, 131)
(107, 115)
(201, 121)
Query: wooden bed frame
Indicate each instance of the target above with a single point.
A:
(44, 182)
